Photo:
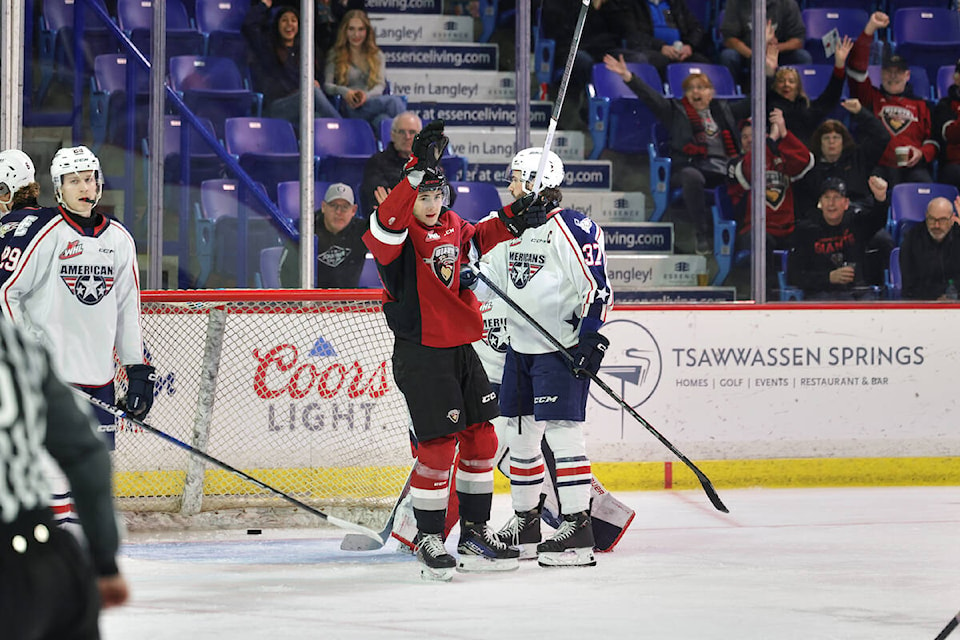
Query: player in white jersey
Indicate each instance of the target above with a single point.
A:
(557, 274)
(69, 277)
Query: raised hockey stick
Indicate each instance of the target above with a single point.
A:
(120, 413)
(561, 93)
(363, 542)
(704, 480)
(947, 630)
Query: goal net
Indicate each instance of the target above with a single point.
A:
(295, 388)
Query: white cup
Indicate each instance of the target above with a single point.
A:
(903, 155)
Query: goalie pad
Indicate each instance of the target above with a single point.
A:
(609, 516)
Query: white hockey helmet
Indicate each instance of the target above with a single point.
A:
(74, 160)
(528, 161)
(16, 170)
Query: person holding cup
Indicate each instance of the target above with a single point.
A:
(831, 242)
(905, 115)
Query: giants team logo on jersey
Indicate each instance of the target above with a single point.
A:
(896, 118)
(444, 261)
(88, 282)
(523, 266)
(777, 184)
(73, 250)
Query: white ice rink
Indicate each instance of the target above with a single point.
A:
(810, 564)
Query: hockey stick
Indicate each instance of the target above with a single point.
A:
(704, 480)
(120, 413)
(947, 630)
(561, 93)
(363, 542)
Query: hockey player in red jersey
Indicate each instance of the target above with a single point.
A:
(419, 246)
(905, 115)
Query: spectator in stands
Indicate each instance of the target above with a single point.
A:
(838, 155)
(789, 33)
(356, 71)
(382, 169)
(830, 245)
(18, 186)
(340, 248)
(946, 128)
(786, 93)
(658, 32)
(275, 44)
(906, 116)
(703, 139)
(930, 253)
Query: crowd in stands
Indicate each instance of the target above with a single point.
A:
(828, 155)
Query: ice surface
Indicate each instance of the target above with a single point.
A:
(811, 564)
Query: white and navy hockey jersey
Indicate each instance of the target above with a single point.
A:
(557, 273)
(75, 289)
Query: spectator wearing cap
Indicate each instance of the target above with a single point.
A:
(946, 128)
(340, 248)
(930, 253)
(18, 186)
(905, 116)
(382, 170)
(829, 247)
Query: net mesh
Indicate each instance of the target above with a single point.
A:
(297, 392)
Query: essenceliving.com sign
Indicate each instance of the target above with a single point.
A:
(778, 383)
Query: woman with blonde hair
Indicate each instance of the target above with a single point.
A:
(356, 71)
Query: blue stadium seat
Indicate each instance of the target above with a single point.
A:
(723, 82)
(55, 43)
(820, 21)
(908, 204)
(927, 36)
(270, 267)
(217, 221)
(617, 119)
(220, 23)
(787, 291)
(108, 99)
(341, 148)
(204, 164)
(944, 80)
(266, 148)
(213, 88)
(135, 17)
(369, 278)
(475, 200)
(894, 279)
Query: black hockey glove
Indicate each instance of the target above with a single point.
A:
(468, 277)
(428, 147)
(139, 398)
(588, 354)
(526, 212)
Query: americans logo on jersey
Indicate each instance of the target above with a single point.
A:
(495, 334)
(88, 283)
(523, 266)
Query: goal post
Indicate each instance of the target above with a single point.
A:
(293, 387)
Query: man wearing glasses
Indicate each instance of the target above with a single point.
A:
(383, 169)
(930, 253)
(340, 248)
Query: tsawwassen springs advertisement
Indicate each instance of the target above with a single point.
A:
(778, 383)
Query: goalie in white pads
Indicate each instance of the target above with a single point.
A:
(557, 273)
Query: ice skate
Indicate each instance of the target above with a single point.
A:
(480, 550)
(571, 545)
(435, 562)
(523, 533)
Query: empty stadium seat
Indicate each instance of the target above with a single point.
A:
(927, 36)
(475, 200)
(820, 21)
(270, 267)
(213, 88)
(341, 148)
(108, 99)
(220, 23)
(266, 148)
(618, 120)
(135, 17)
(55, 43)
